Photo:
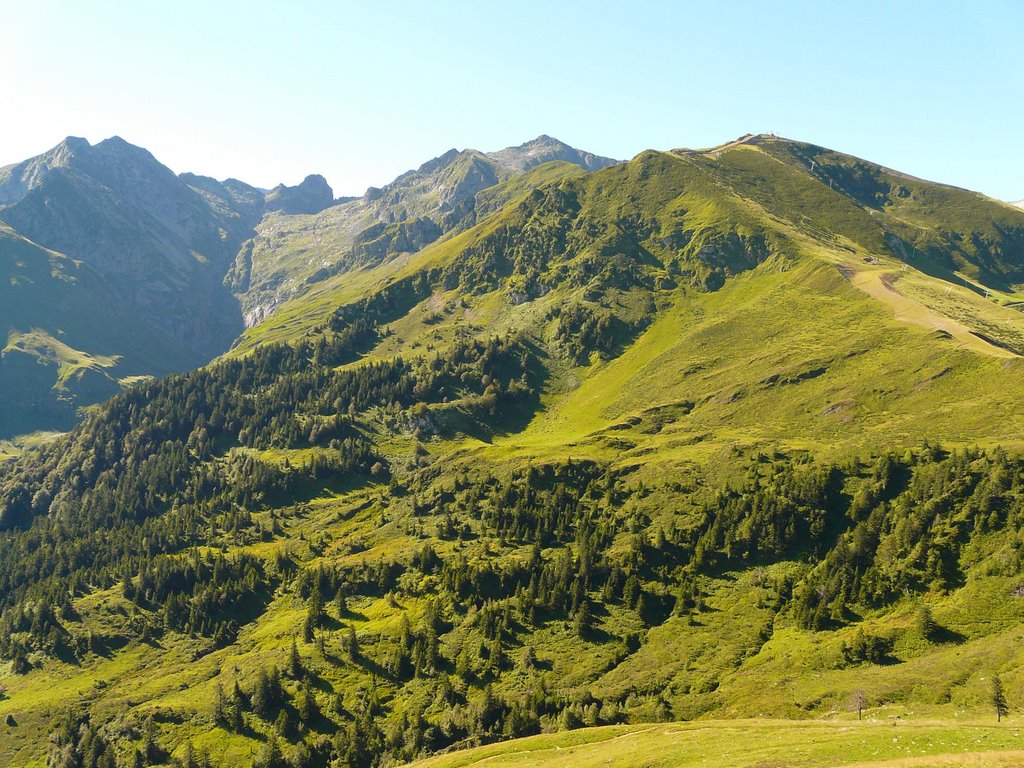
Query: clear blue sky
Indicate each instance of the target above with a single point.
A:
(361, 91)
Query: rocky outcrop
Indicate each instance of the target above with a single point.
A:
(380, 241)
(313, 195)
(546, 149)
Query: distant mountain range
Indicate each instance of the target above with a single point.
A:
(151, 272)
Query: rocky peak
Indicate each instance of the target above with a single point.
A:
(123, 168)
(545, 149)
(160, 243)
(311, 196)
(18, 179)
(438, 162)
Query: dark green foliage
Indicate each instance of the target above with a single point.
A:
(998, 698)
(294, 662)
(270, 755)
(924, 623)
(77, 743)
(868, 648)
(141, 497)
(588, 542)
(583, 329)
(192, 758)
(305, 703)
(142, 478)
(351, 645)
(267, 694)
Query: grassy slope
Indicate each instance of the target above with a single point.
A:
(750, 743)
(796, 315)
(793, 675)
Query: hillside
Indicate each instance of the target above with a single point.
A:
(156, 241)
(115, 269)
(724, 433)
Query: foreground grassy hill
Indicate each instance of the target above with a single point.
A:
(728, 433)
(750, 743)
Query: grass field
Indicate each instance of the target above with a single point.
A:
(758, 744)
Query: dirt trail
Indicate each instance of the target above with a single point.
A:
(878, 283)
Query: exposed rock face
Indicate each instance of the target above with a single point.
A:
(545, 149)
(235, 202)
(311, 196)
(161, 243)
(376, 243)
(67, 338)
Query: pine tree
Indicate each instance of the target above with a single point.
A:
(261, 698)
(306, 703)
(150, 749)
(352, 644)
(219, 710)
(294, 662)
(283, 724)
(235, 720)
(270, 755)
(998, 698)
(583, 621)
(925, 623)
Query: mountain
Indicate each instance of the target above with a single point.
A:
(442, 196)
(1019, 203)
(67, 342)
(114, 207)
(311, 196)
(709, 434)
(116, 269)
(545, 149)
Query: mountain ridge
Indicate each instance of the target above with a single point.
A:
(416, 208)
(545, 149)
